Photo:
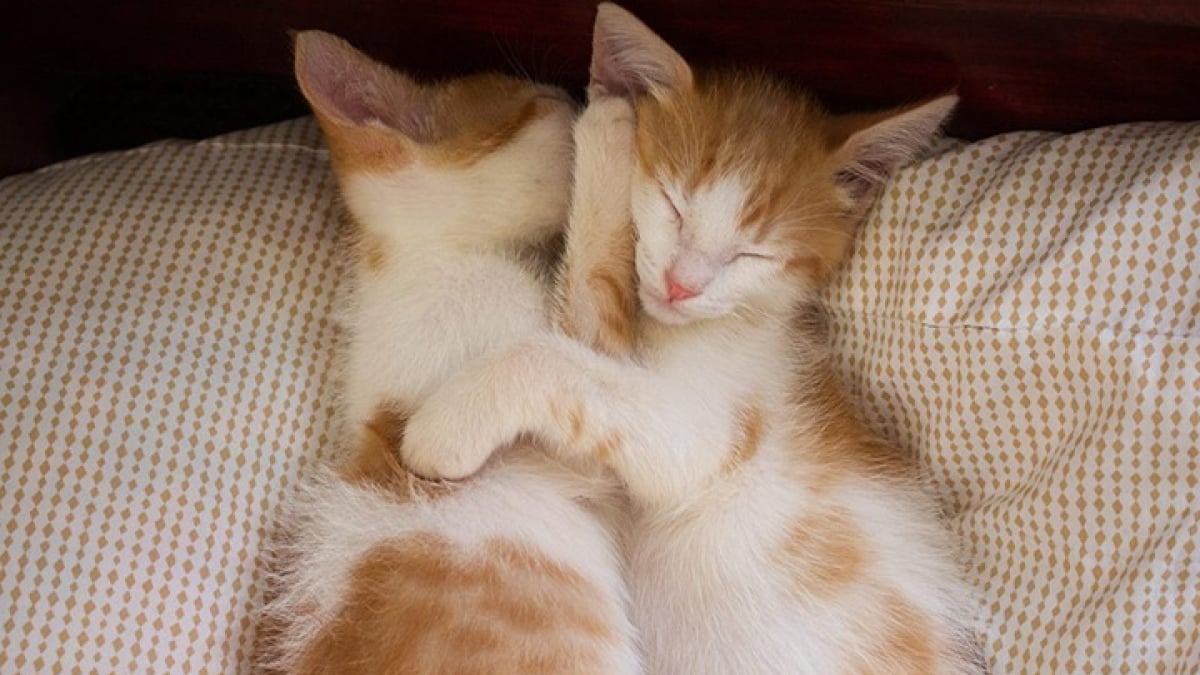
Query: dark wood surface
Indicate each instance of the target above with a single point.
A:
(86, 76)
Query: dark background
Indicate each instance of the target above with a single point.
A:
(82, 77)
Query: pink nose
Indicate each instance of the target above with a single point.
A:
(676, 291)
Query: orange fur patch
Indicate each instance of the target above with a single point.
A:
(617, 302)
(906, 645)
(487, 136)
(611, 287)
(425, 605)
(746, 439)
(357, 149)
(575, 421)
(373, 252)
(774, 136)
(812, 264)
(571, 417)
(374, 461)
(608, 446)
(581, 617)
(822, 554)
(839, 446)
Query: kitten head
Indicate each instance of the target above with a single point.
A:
(746, 191)
(486, 156)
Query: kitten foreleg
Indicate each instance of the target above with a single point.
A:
(599, 286)
(656, 436)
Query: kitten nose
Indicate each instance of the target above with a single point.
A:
(677, 291)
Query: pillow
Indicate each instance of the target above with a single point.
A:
(165, 345)
(1021, 314)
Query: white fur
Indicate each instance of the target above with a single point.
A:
(331, 524)
(451, 290)
(701, 249)
(708, 597)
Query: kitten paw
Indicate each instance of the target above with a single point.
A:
(458, 428)
(477, 411)
(437, 448)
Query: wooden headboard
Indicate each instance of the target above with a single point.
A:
(95, 76)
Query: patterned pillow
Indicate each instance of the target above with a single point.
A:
(164, 343)
(1022, 314)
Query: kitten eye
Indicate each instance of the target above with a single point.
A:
(753, 255)
(675, 214)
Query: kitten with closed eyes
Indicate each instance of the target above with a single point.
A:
(451, 188)
(772, 532)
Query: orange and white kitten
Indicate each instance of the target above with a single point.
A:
(518, 570)
(773, 533)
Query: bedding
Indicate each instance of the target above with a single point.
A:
(1021, 314)
(165, 337)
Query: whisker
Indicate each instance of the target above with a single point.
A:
(810, 250)
(658, 144)
(826, 230)
(509, 52)
(796, 220)
(551, 70)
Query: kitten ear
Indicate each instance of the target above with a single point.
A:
(629, 59)
(346, 87)
(871, 146)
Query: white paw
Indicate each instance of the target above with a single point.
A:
(445, 443)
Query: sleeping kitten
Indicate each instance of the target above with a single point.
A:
(516, 571)
(773, 532)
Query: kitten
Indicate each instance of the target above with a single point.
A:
(517, 570)
(773, 533)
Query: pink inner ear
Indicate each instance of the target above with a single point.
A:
(326, 67)
(342, 82)
(333, 84)
(871, 154)
(630, 59)
(863, 176)
(607, 78)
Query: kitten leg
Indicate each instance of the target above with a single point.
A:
(661, 438)
(598, 285)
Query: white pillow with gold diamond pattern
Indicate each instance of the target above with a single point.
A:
(1021, 314)
(164, 322)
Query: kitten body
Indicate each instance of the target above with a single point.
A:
(517, 570)
(773, 533)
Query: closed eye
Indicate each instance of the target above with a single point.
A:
(675, 214)
(754, 255)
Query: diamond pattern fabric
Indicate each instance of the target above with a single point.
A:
(1021, 315)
